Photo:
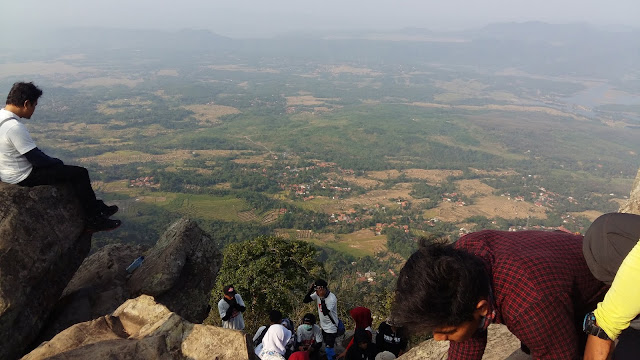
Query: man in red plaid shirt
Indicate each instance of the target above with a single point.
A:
(537, 283)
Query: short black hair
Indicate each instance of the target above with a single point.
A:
(309, 318)
(23, 91)
(321, 282)
(439, 286)
(275, 316)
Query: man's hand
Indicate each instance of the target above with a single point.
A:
(597, 349)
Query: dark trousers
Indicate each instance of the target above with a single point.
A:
(77, 176)
(628, 345)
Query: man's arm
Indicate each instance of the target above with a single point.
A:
(38, 158)
(471, 349)
(597, 349)
(621, 304)
(239, 305)
(308, 298)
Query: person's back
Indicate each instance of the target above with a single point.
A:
(534, 282)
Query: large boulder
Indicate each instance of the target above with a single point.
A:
(632, 205)
(501, 345)
(97, 289)
(42, 244)
(180, 272)
(143, 329)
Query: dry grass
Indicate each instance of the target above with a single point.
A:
(589, 214)
(489, 206)
(210, 113)
(431, 176)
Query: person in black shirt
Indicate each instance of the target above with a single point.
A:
(391, 338)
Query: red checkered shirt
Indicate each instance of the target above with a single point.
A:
(542, 288)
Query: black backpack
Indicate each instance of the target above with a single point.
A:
(258, 340)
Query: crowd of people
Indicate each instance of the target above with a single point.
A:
(315, 338)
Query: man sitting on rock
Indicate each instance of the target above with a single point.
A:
(537, 283)
(22, 163)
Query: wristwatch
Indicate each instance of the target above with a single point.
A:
(589, 326)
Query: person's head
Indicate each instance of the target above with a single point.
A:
(443, 290)
(308, 320)
(275, 316)
(361, 337)
(321, 287)
(385, 355)
(229, 292)
(23, 99)
(608, 241)
(361, 316)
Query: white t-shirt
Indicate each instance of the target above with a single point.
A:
(236, 321)
(308, 337)
(332, 304)
(15, 141)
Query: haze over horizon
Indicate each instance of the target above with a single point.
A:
(250, 18)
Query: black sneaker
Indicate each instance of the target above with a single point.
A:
(106, 210)
(99, 223)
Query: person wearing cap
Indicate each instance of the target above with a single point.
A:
(231, 308)
(612, 251)
(537, 283)
(391, 338)
(327, 313)
(309, 337)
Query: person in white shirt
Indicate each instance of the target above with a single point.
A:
(309, 336)
(327, 313)
(22, 163)
(231, 308)
(274, 342)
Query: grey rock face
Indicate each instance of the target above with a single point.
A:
(180, 271)
(42, 244)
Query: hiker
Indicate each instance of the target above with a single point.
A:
(612, 251)
(275, 339)
(363, 348)
(391, 338)
(327, 313)
(309, 337)
(362, 317)
(231, 308)
(537, 283)
(22, 163)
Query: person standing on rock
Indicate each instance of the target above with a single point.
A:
(22, 163)
(231, 308)
(327, 313)
(537, 283)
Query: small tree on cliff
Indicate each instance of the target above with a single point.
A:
(269, 273)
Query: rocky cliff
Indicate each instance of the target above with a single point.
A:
(633, 204)
(42, 244)
(143, 329)
(179, 271)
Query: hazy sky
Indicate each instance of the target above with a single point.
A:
(242, 18)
